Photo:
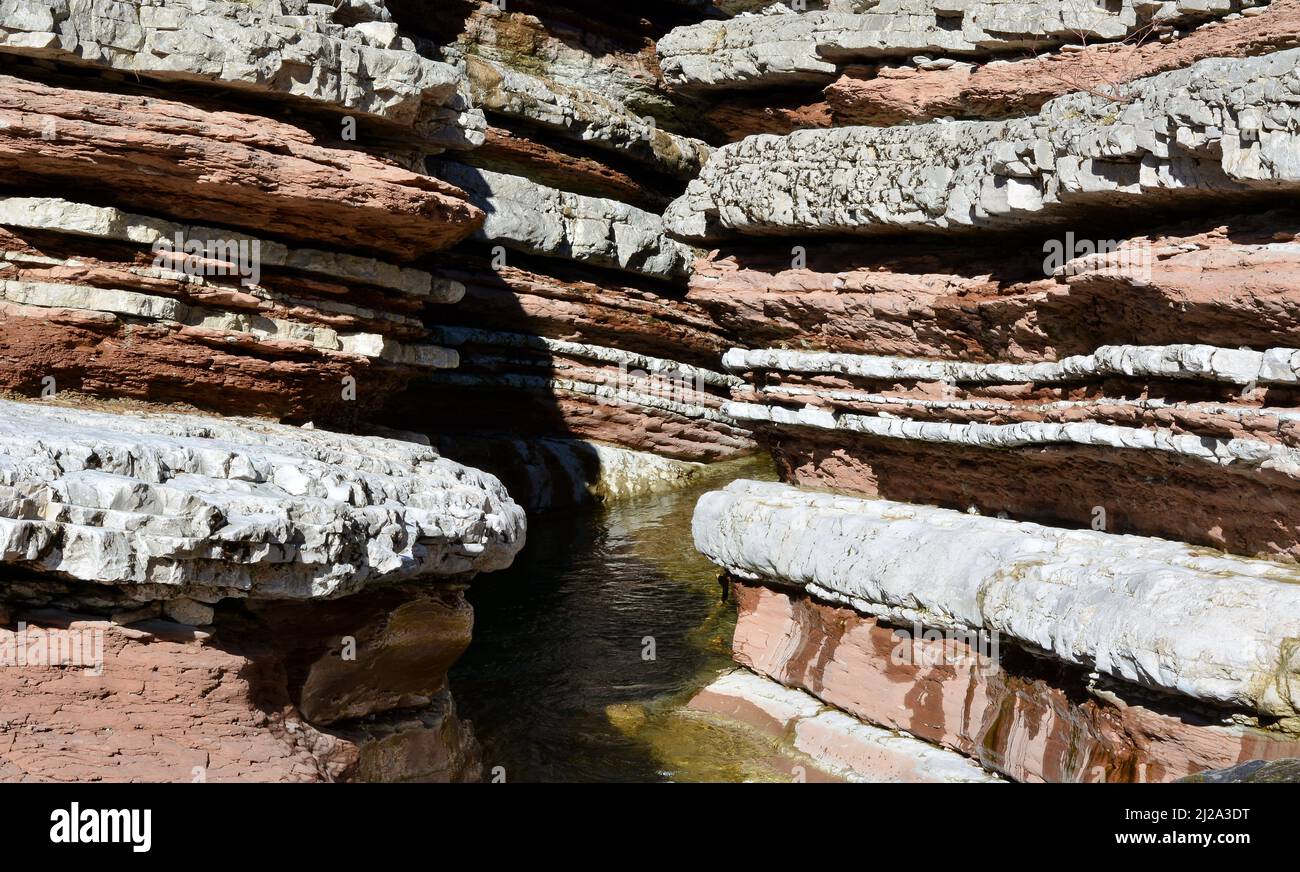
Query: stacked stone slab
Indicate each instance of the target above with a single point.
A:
(575, 341)
(1049, 391)
(224, 207)
(892, 63)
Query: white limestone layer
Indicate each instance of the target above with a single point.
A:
(165, 505)
(1165, 615)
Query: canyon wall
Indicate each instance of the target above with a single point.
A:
(218, 562)
(1014, 290)
(585, 369)
(1009, 291)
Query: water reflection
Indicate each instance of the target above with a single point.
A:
(585, 648)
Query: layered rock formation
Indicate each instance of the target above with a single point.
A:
(1051, 381)
(220, 207)
(311, 585)
(1015, 283)
(575, 328)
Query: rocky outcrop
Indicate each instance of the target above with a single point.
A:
(540, 220)
(325, 573)
(231, 227)
(1009, 707)
(907, 94)
(1051, 385)
(348, 58)
(1171, 619)
(575, 333)
(221, 167)
(784, 47)
(1219, 128)
(834, 741)
(169, 506)
(297, 333)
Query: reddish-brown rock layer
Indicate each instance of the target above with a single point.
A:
(222, 167)
(520, 155)
(98, 354)
(585, 306)
(905, 95)
(561, 412)
(1248, 511)
(1025, 716)
(246, 700)
(239, 373)
(1232, 281)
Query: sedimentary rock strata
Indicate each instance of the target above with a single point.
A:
(575, 324)
(540, 220)
(907, 94)
(225, 168)
(1218, 128)
(350, 58)
(1010, 708)
(607, 394)
(140, 517)
(1080, 359)
(165, 506)
(847, 747)
(786, 48)
(1230, 278)
(1155, 613)
(269, 329)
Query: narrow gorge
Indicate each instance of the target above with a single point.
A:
(679, 390)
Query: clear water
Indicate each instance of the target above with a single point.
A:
(586, 649)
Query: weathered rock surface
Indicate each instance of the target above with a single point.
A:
(599, 393)
(908, 94)
(1029, 717)
(835, 741)
(524, 215)
(1234, 281)
(1158, 614)
(220, 167)
(583, 115)
(163, 506)
(1218, 128)
(244, 326)
(156, 701)
(289, 48)
(784, 49)
(585, 306)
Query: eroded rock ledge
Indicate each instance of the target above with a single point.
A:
(783, 49)
(290, 48)
(1197, 649)
(1221, 127)
(244, 600)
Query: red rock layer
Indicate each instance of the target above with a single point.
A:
(1028, 717)
(247, 700)
(585, 306)
(524, 155)
(104, 354)
(1246, 511)
(219, 167)
(906, 95)
(1231, 281)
